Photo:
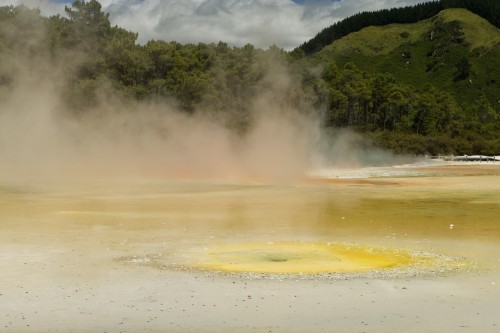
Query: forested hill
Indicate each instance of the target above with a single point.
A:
(434, 83)
(430, 87)
(488, 9)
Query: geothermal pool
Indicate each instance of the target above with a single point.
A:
(413, 248)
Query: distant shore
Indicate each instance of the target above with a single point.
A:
(467, 158)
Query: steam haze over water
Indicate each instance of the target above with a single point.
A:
(116, 212)
(39, 138)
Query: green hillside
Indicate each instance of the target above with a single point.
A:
(456, 51)
(488, 9)
(426, 87)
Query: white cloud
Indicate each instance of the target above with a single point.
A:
(237, 22)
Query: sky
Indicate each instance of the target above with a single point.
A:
(263, 23)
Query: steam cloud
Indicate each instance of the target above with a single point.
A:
(40, 139)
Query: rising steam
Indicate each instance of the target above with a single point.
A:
(39, 138)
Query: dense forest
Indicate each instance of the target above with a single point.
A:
(424, 117)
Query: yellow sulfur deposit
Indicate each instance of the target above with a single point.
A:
(305, 258)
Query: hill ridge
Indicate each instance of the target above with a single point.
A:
(488, 9)
(470, 21)
(452, 47)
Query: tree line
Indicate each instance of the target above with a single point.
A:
(403, 118)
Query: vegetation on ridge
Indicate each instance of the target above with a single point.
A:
(488, 9)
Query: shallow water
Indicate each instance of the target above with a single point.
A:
(56, 233)
(424, 212)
